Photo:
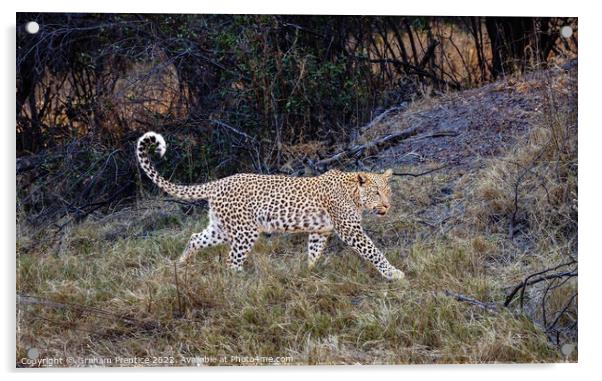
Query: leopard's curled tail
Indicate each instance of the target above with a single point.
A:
(147, 141)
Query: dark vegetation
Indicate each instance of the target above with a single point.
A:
(233, 93)
(482, 111)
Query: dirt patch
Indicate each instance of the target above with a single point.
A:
(462, 127)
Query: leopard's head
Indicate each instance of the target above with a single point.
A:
(374, 191)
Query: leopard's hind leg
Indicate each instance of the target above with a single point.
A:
(240, 245)
(213, 235)
(315, 247)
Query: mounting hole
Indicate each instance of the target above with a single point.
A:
(32, 27)
(566, 31)
(567, 349)
(33, 353)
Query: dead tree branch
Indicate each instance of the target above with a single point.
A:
(382, 116)
(489, 306)
(421, 173)
(358, 150)
(539, 277)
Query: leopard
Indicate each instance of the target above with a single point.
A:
(244, 205)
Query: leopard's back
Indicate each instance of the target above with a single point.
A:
(273, 203)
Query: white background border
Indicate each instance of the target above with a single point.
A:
(590, 140)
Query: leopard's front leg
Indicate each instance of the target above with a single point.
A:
(315, 246)
(353, 235)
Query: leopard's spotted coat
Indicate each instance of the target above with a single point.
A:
(244, 205)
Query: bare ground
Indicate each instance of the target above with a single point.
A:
(464, 127)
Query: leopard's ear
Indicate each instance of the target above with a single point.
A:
(388, 173)
(361, 178)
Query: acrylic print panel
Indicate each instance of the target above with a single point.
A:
(295, 190)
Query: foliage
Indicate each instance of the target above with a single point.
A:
(281, 79)
(231, 93)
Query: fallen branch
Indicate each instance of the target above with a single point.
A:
(437, 134)
(357, 150)
(491, 307)
(536, 278)
(421, 173)
(381, 116)
(552, 326)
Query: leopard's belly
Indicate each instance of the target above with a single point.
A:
(308, 220)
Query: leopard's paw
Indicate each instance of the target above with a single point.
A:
(394, 274)
(234, 269)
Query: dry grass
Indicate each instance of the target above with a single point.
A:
(341, 312)
(107, 287)
(527, 201)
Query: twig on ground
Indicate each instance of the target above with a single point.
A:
(530, 280)
(381, 116)
(357, 150)
(489, 306)
(552, 327)
(421, 173)
(437, 134)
